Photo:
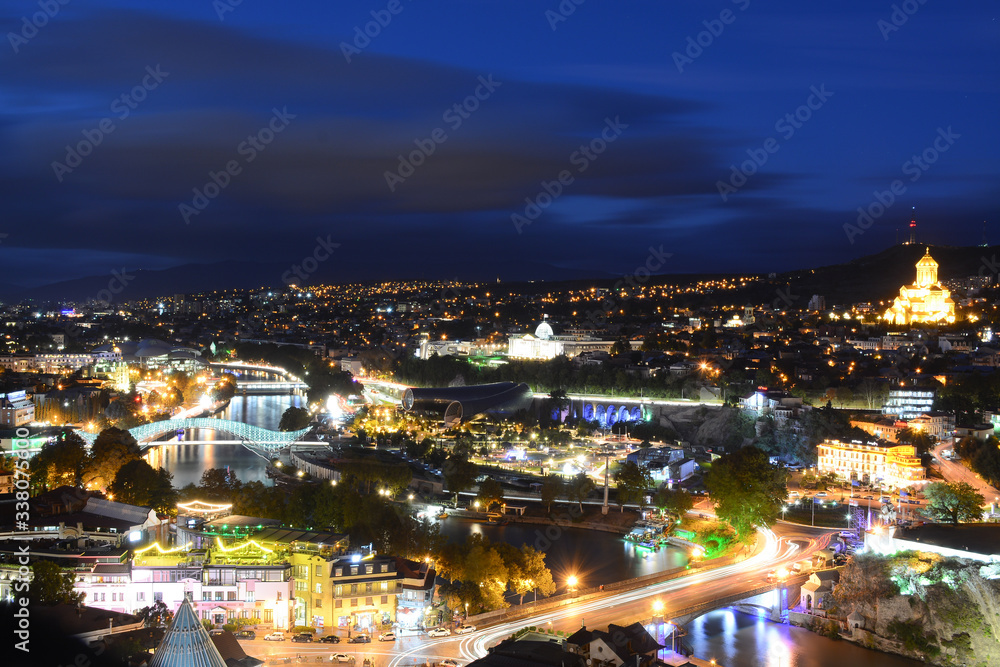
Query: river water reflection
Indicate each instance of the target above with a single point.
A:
(188, 462)
(740, 640)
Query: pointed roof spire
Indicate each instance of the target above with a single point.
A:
(186, 643)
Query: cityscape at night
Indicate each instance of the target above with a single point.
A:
(499, 334)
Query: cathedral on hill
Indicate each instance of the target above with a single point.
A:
(926, 300)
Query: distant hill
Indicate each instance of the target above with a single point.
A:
(873, 278)
(190, 278)
(878, 277)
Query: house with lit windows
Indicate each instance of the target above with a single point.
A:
(891, 465)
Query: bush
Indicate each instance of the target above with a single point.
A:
(912, 634)
(298, 629)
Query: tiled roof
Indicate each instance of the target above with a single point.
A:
(186, 643)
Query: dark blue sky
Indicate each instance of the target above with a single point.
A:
(324, 173)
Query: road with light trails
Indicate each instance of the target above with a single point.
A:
(785, 545)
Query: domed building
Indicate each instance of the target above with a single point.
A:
(926, 300)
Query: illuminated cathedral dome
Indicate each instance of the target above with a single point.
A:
(926, 300)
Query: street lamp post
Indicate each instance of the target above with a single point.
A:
(572, 582)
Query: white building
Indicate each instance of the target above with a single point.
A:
(545, 344)
(16, 410)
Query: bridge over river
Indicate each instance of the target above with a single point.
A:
(259, 440)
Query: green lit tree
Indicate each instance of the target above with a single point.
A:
(747, 490)
(954, 502)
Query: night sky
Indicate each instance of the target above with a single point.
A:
(199, 78)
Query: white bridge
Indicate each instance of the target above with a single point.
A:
(255, 438)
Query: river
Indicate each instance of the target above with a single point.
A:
(732, 638)
(593, 558)
(188, 462)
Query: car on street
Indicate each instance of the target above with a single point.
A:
(303, 637)
(465, 629)
(821, 494)
(448, 662)
(275, 637)
(360, 639)
(330, 639)
(216, 632)
(387, 637)
(439, 632)
(246, 634)
(341, 657)
(868, 498)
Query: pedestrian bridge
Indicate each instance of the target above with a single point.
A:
(253, 437)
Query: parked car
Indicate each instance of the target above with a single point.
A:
(275, 637)
(465, 629)
(216, 632)
(439, 632)
(868, 498)
(821, 494)
(302, 637)
(341, 657)
(387, 637)
(330, 639)
(360, 639)
(246, 634)
(448, 662)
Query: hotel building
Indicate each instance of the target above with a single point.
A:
(892, 465)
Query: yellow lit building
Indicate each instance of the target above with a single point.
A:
(894, 465)
(364, 594)
(926, 300)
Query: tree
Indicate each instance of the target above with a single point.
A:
(294, 419)
(918, 438)
(954, 502)
(156, 615)
(51, 586)
(747, 490)
(844, 395)
(674, 502)
(620, 346)
(552, 488)
(490, 493)
(60, 463)
(219, 484)
(577, 488)
(112, 449)
(872, 393)
(459, 474)
(137, 483)
(632, 481)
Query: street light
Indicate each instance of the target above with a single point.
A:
(572, 581)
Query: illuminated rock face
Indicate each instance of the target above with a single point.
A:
(925, 300)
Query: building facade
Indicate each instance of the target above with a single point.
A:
(926, 300)
(895, 466)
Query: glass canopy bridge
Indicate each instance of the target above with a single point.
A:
(259, 440)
